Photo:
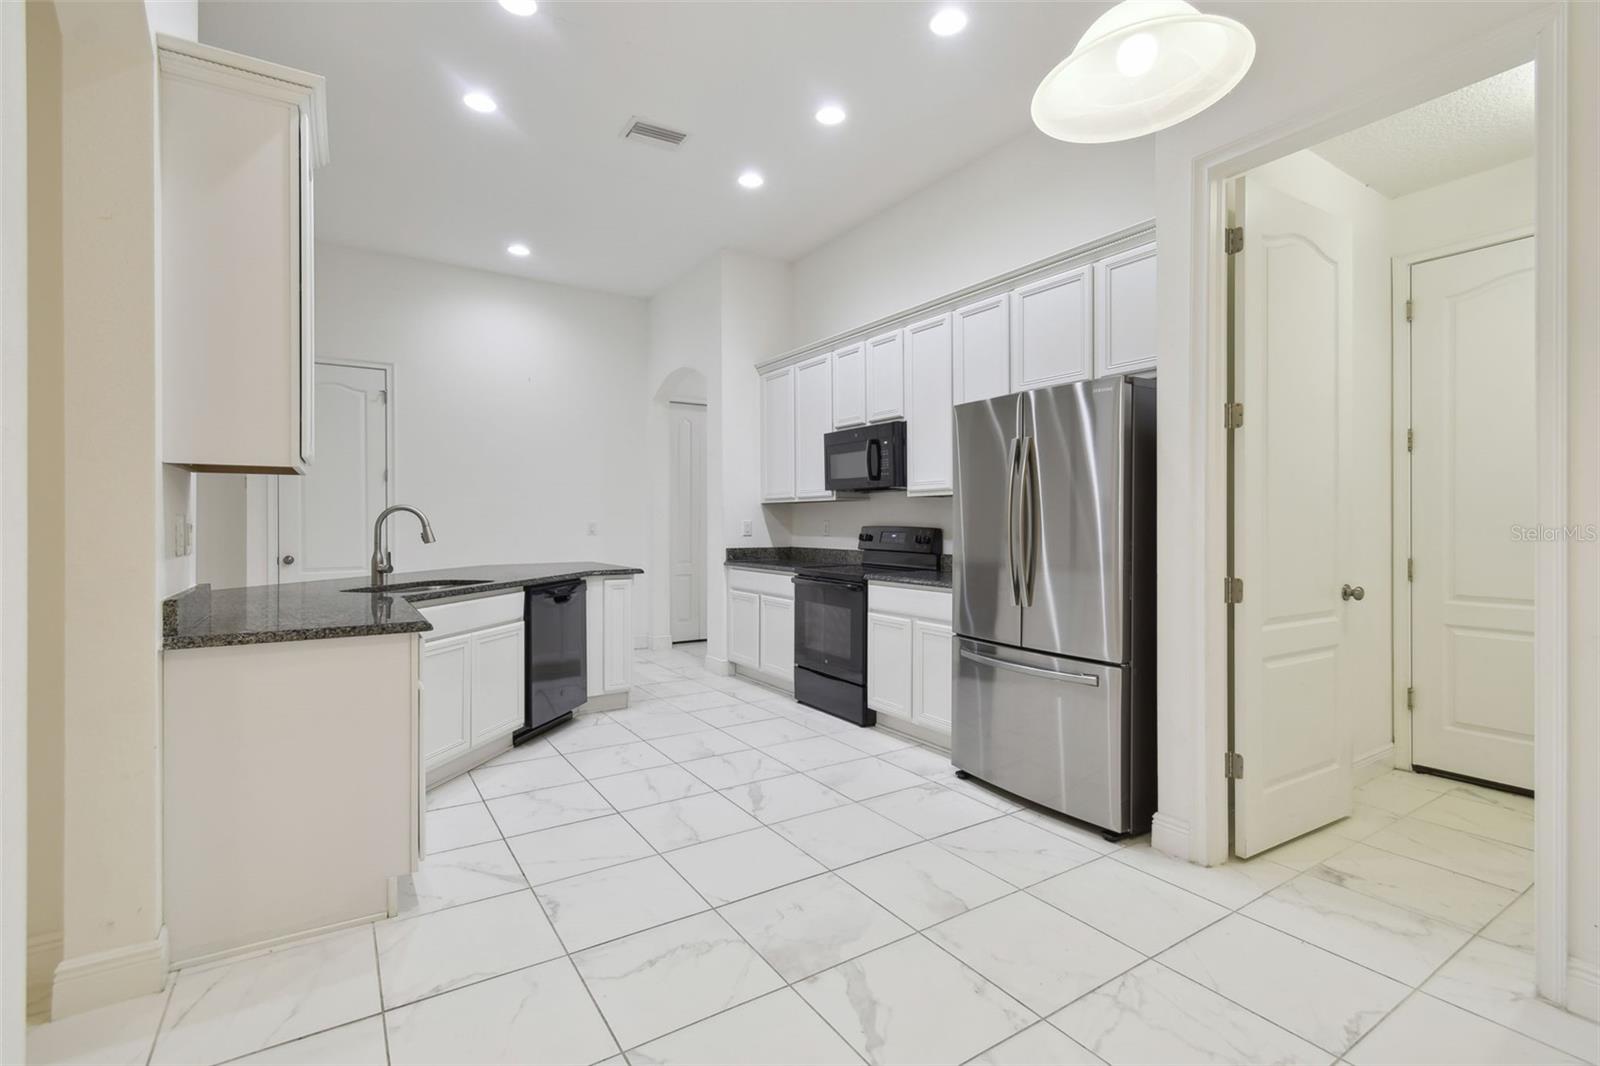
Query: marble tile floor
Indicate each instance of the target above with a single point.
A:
(719, 875)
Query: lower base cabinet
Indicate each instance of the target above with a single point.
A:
(761, 623)
(472, 676)
(909, 663)
(608, 617)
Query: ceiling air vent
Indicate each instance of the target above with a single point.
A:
(649, 133)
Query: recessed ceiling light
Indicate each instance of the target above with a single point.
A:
(830, 115)
(948, 22)
(518, 249)
(520, 7)
(1142, 66)
(752, 179)
(480, 102)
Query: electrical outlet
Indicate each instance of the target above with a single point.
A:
(188, 537)
(749, 528)
(827, 527)
(175, 537)
(594, 528)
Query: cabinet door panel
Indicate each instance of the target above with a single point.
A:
(850, 386)
(446, 698)
(1125, 321)
(930, 414)
(889, 664)
(813, 418)
(931, 677)
(618, 622)
(777, 636)
(886, 377)
(497, 689)
(777, 435)
(744, 628)
(983, 349)
(1053, 330)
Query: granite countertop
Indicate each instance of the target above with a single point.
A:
(790, 560)
(204, 617)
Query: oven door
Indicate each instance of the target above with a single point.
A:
(830, 628)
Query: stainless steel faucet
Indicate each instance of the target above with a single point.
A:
(382, 565)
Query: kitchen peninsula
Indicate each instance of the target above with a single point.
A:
(302, 723)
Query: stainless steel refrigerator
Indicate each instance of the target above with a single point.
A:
(1055, 598)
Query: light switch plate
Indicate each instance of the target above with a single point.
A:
(749, 528)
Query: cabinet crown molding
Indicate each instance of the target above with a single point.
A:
(205, 62)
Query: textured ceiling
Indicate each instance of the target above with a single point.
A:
(1472, 129)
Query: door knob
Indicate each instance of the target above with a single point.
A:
(288, 560)
(1353, 592)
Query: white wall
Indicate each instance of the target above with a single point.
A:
(1487, 205)
(517, 407)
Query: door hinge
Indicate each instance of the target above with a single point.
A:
(1233, 240)
(1233, 590)
(1232, 416)
(1410, 310)
(383, 395)
(1232, 765)
(1411, 699)
(386, 477)
(1411, 569)
(1411, 440)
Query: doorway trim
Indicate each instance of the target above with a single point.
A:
(1541, 37)
(1400, 473)
(261, 501)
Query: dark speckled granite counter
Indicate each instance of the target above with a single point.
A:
(204, 617)
(789, 560)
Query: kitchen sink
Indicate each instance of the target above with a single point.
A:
(424, 586)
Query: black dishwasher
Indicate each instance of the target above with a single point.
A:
(555, 664)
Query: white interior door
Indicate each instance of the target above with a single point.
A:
(1472, 466)
(687, 515)
(1293, 350)
(325, 517)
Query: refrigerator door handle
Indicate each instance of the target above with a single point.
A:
(1011, 519)
(1030, 489)
(1032, 671)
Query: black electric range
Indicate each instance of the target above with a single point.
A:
(830, 625)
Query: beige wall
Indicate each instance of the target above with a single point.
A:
(46, 518)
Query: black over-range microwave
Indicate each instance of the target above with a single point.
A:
(866, 458)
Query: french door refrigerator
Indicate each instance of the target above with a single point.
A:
(1055, 598)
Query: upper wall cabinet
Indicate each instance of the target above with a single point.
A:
(1125, 321)
(886, 380)
(813, 418)
(930, 419)
(850, 386)
(239, 141)
(1053, 330)
(982, 353)
(777, 435)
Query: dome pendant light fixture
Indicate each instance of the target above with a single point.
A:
(1141, 67)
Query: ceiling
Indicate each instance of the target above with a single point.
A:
(1482, 125)
(415, 172)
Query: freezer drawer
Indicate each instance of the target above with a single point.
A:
(1046, 728)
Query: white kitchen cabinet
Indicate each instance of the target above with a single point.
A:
(777, 435)
(608, 624)
(1125, 318)
(930, 675)
(446, 699)
(850, 386)
(886, 388)
(777, 637)
(744, 628)
(889, 664)
(929, 415)
(909, 640)
(239, 141)
(1052, 336)
(761, 623)
(982, 349)
(497, 678)
(813, 419)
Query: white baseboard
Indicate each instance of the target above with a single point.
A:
(44, 955)
(90, 981)
(271, 944)
(661, 642)
(1374, 764)
(606, 701)
(771, 681)
(931, 738)
(720, 667)
(1583, 989)
(1170, 836)
(640, 642)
